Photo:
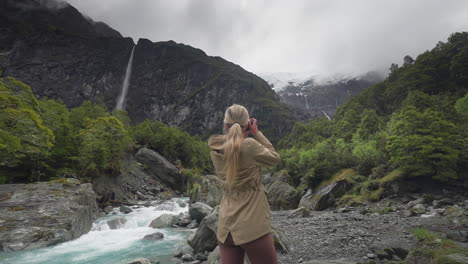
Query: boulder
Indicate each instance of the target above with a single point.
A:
(205, 236)
(140, 261)
(165, 206)
(184, 220)
(209, 192)
(282, 196)
(193, 224)
(108, 209)
(154, 236)
(199, 210)
(164, 221)
(46, 213)
(116, 223)
(187, 257)
(325, 196)
(183, 249)
(454, 211)
(125, 209)
(181, 203)
(418, 209)
(442, 202)
(299, 212)
(159, 167)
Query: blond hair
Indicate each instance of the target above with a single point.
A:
(235, 117)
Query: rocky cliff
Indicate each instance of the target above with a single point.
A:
(46, 213)
(63, 55)
(313, 97)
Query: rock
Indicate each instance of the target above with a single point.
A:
(109, 209)
(184, 220)
(299, 212)
(205, 236)
(408, 213)
(154, 236)
(187, 257)
(164, 221)
(159, 167)
(140, 261)
(454, 211)
(165, 206)
(210, 191)
(125, 209)
(418, 209)
(325, 196)
(282, 243)
(181, 203)
(457, 235)
(415, 202)
(183, 250)
(370, 256)
(282, 196)
(116, 223)
(43, 214)
(193, 224)
(457, 258)
(201, 257)
(442, 202)
(199, 210)
(326, 261)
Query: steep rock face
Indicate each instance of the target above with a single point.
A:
(180, 85)
(42, 214)
(63, 55)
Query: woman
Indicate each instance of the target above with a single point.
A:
(244, 224)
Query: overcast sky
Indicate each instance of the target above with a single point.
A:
(320, 37)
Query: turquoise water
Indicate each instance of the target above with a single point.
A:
(104, 246)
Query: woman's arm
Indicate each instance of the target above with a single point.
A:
(263, 151)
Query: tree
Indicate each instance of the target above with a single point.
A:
(424, 144)
(104, 141)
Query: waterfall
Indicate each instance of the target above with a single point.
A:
(307, 104)
(329, 118)
(128, 74)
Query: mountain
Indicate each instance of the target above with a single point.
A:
(63, 55)
(315, 95)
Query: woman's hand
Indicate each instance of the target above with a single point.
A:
(253, 128)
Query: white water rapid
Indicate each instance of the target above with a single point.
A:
(103, 246)
(128, 74)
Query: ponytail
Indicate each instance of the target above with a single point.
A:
(232, 151)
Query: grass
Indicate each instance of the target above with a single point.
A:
(435, 247)
(392, 176)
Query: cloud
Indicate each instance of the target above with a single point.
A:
(324, 37)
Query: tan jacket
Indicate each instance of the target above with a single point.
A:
(244, 210)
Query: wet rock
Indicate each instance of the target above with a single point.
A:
(125, 209)
(199, 210)
(164, 221)
(325, 196)
(109, 209)
(184, 220)
(181, 203)
(187, 257)
(183, 250)
(299, 212)
(43, 214)
(205, 236)
(154, 236)
(210, 191)
(193, 224)
(140, 261)
(116, 223)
